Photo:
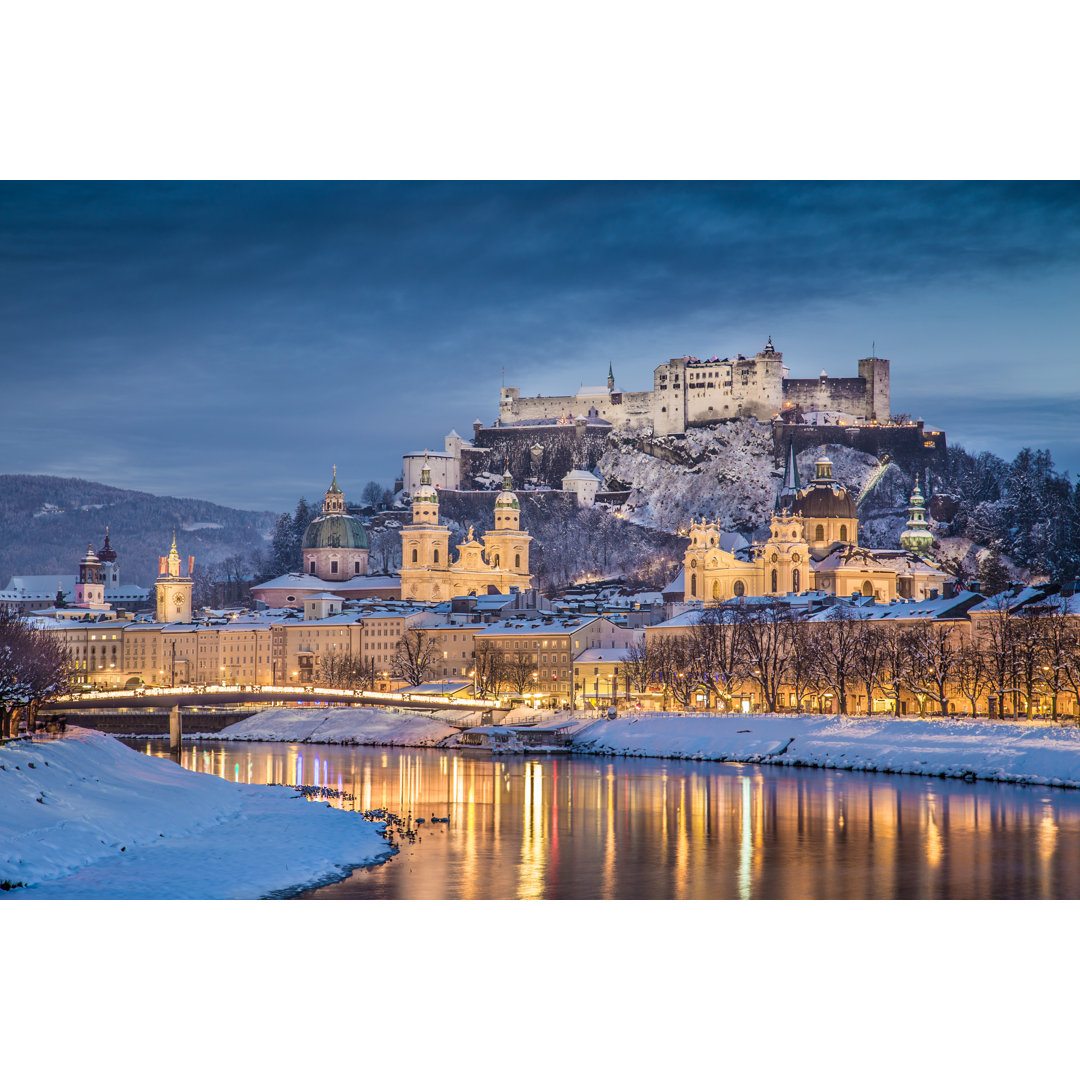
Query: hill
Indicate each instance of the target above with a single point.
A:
(47, 521)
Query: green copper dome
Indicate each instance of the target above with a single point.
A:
(335, 531)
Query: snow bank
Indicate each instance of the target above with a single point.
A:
(349, 726)
(971, 750)
(85, 817)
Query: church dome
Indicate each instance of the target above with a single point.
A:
(824, 502)
(335, 531)
(507, 500)
(825, 498)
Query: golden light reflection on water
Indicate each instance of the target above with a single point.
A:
(584, 828)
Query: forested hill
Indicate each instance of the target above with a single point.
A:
(47, 521)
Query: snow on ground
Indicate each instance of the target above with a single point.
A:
(359, 726)
(85, 817)
(1010, 751)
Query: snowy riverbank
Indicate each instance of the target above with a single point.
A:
(85, 817)
(985, 750)
(1008, 751)
(351, 726)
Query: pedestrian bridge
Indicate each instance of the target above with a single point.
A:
(185, 696)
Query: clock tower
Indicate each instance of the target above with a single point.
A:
(174, 589)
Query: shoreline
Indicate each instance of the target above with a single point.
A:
(1011, 751)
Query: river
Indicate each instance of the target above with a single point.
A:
(578, 828)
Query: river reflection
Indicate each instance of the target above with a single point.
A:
(601, 828)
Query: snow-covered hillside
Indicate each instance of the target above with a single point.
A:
(727, 472)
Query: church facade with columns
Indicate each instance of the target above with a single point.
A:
(496, 564)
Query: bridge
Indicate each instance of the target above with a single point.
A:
(146, 710)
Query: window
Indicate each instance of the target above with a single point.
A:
(819, 533)
(867, 589)
(436, 556)
(775, 581)
(739, 589)
(414, 554)
(716, 590)
(517, 561)
(333, 566)
(311, 569)
(693, 584)
(843, 533)
(794, 580)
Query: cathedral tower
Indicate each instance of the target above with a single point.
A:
(425, 546)
(173, 589)
(506, 547)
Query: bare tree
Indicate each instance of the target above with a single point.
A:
(834, 660)
(518, 671)
(414, 659)
(714, 658)
(800, 661)
(642, 664)
(869, 660)
(680, 664)
(489, 668)
(764, 645)
(998, 644)
(347, 672)
(1055, 650)
(34, 667)
(936, 651)
(896, 663)
(972, 675)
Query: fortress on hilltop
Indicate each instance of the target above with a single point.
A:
(688, 392)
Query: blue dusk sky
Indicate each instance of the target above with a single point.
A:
(232, 341)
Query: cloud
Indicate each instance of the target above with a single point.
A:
(276, 327)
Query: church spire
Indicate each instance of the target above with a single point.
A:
(792, 485)
(610, 377)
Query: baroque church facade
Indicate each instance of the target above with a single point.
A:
(813, 544)
(497, 564)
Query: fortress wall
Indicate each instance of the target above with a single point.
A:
(911, 448)
(825, 395)
(565, 448)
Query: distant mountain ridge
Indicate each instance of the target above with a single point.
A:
(47, 521)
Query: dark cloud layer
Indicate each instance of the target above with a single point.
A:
(233, 340)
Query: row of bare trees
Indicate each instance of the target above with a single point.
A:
(34, 667)
(1014, 658)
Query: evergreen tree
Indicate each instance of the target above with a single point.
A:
(301, 519)
(282, 558)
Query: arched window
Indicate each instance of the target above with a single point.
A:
(414, 555)
(716, 590)
(867, 589)
(819, 533)
(739, 589)
(436, 556)
(693, 584)
(517, 562)
(775, 581)
(843, 533)
(795, 581)
(495, 559)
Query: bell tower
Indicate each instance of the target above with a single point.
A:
(425, 547)
(89, 587)
(506, 547)
(173, 589)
